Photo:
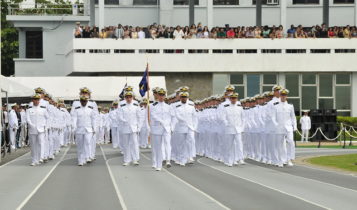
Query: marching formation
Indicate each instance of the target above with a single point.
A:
(176, 129)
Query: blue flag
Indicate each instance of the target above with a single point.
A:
(121, 95)
(143, 85)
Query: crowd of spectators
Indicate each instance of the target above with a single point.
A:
(156, 31)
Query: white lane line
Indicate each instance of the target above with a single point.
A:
(329, 171)
(42, 181)
(314, 180)
(272, 188)
(192, 187)
(120, 197)
(16, 159)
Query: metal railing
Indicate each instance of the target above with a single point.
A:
(46, 9)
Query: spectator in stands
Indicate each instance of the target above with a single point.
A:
(178, 33)
(280, 32)
(266, 32)
(94, 33)
(205, 32)
(331, 33)
(291, 31)
(347, 32)
(103, 34)
(213, 34)
(141, 34)
(221, 34)
(257, 32)
(323, 31)
(126, 33)
(354, 32)
(250, 33)
(152, 32)
(340, 32)
(134, 33)
(77, 33)
(86, 32)
(119, 32)
(230, 33)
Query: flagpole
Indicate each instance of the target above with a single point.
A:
(148, 96)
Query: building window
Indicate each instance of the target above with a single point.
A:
(238, 81)
(108, 2)
(80, 51)
(145, 2)
(184, 2)
(225, 2)
(34, 47)
(174, 51)
(271, 50)
(343, 1)
(288, 51)
(198, 51)
(309, 97)
(149, 51)
(343, 97)
(267, 2)
(306, 1)
(320, 51)
(345, 50)
(222, 51)
(123, 51)
(99, 51)
(247, 51)
(343, 79)
(292, 84)
(253, 84)
(325, 85)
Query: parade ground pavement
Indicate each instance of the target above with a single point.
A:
(207, 184)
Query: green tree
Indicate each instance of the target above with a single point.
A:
(9, 42)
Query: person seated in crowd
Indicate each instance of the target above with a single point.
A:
(86, 33)
(103, 34)
(331, 33)
(230, 33)
(178, 33)
(213, 34)
(94, 33)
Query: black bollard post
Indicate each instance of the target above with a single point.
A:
(350, 140)
(344, 138)
(319, 145)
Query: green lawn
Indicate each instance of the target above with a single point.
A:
(329, 146)
(345, 162)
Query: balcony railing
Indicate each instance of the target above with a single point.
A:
(46, 9)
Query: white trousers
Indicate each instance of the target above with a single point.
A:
(157, 150)
(22, 135)
(12, 135)
(279, 154)
(233, 148)
(35, 145)
(130, 147)
(166, 146)
(83, 146)
(185, 141)
(115, 137)
(290, 146)
(305, 135)
(144, 138)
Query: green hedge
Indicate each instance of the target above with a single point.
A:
(351, 121)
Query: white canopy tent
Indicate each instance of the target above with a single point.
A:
(103, 88)
(13, 88)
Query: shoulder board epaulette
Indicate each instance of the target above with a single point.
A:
(178, 105)
(30, 107)
(276, 103)
(90, 100)
(136, 105)
(191, 104)
(43, 107)
(253, 107)
(77, 107)
(265, 103)
(214, 107)
(239, 105)
(226, 105)
(90, 107)
(154, 104)
(122, 105)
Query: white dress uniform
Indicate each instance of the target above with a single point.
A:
(106, 127)
(13, 126)
(271, 131)
(84, 123)
(232, 118)
(305, 122)
(161, 123)
(185, 132)
(114, 126)
(23, 132)
(93, 142)
(130, 124)
(285, 121)
(100, 121)
(145, 129)
(37, 121)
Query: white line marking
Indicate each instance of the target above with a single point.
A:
(191, 186)
(16, 159)
(330, 171)
(120, 197)
(272, 188)
(43, 181)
